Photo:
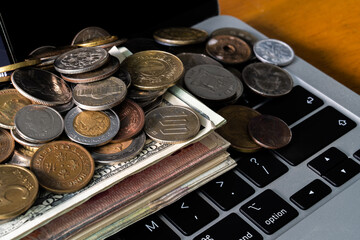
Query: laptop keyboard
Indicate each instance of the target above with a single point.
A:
(242, 203)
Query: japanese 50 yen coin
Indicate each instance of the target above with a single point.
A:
(62, 166)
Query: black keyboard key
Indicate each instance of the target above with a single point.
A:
(190, 213)
(151, 227)
(293, 106)
(269, 211)
(357, 154)
(231, 227)
(261, 167)
(342, 172)
(327, 160)
(227, 190)
(315, 133)
(310, 194)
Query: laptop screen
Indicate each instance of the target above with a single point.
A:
(6, 56)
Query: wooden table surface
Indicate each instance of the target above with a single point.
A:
(325, 33)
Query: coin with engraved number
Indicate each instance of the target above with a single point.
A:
(172, 124)
(91, 128)
(178, 36)
(236, 32)
(236, 128)
(11, 101)
(7, 145)
(211, 82)
(113, 153)
(103, 72)
(267, 79)
(274, 51)
(153, 69)
(81, 60)
(19, 190)
(62, 166)
(269, 131)
(132, 118)
(38, 123)
(100, 95)
(41, 86)
(88, 34)
(228, 49)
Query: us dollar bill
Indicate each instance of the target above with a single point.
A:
(50, 205)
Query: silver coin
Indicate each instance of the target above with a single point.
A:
(38, 123)
(193, 59)
(267, 79)
(81, 60)
(64, 107)
(20, 140)
(171, 124)
(91, 128)
(274, 51)
(113, 153)
(89, 33)
(41, 86)
(100, 95)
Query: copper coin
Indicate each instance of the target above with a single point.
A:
(62, 166)
(236, 32)
(7, 145)
(19, 190)
(228, 49)
(176, 36)
(132, 118)
(269, 131)
(236, 128)
(267, 79)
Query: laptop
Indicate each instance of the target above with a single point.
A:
(308, 190)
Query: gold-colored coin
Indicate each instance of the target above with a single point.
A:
(236, 128)
(11, 101)
(62, 166)
(98, 41)
(153, 69)
(91, 123)
(7, 145)
(14, 66)
(178, 36)
(18, 190)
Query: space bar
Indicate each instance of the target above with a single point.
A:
(315, 133)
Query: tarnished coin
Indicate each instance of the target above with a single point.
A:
(88, 34)
(267, 80)
(62, 166)
(236, 32)
(153, 69)
(103, 72)
(100, 95)
(11, 101)
(269, 131)
(41, 86)
(123, 75)
(7, 145)
(48, 54)
(132, 119)
(19, 189)
(211, 82)
(113, 153)
(274, 51)
(193, 59)
(228, 49)
(236, 128)
(91, 128)
(81, 60)
(38, 123)
(176, 36)
(143, 96)
(172, 124)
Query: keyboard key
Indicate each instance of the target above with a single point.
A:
(261, 167)
(227, 190)
(327, 160)
(342, 172)
(293, 106)
(357, 155)
(231, 227)
(269, 211)
(310, 194)
(151, 227)
(190, 213)
(315, 133)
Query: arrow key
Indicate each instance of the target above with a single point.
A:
(342, 172)
(310, 194)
